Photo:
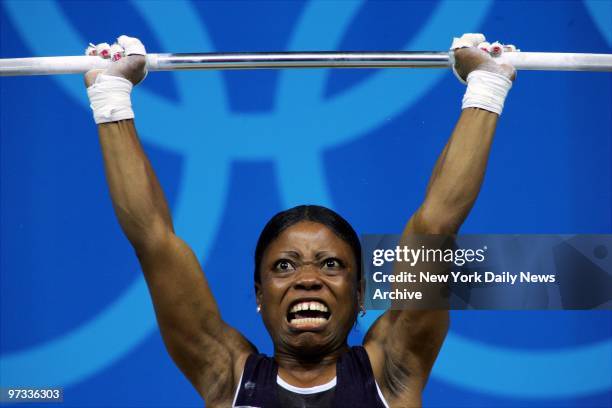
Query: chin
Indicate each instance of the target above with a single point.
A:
(310, 344)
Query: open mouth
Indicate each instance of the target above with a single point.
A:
(308, 314)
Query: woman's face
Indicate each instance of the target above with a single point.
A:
(309, 294)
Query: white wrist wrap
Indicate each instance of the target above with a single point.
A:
(109, 99)
(486, 90)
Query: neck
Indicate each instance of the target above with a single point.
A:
(310, 370)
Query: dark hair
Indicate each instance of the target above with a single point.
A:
(314, 213)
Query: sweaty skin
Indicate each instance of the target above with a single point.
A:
(307, 261)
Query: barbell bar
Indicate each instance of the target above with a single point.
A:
(541, 61)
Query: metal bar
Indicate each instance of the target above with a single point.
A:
(322, 59)
(303, 60)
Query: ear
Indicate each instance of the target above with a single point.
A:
(258, 294)
(360, 292)
(361, 288)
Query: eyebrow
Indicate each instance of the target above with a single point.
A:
(292, 254)
(318, 255)
(323, 254)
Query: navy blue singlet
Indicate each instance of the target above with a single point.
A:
(355, 384)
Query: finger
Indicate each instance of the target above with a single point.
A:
(91, 50)
(496, 49)
(131, 45)
(485, 46)
(467, 40)
(510, 48)
(103, 50)
(116, 52)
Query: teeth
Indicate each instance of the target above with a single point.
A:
(308, 306)
(308, 320)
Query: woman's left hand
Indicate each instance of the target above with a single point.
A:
(472, 53)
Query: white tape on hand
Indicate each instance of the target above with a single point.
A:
(109, 99)
(486, 90)
(131, 45)
(467, 40)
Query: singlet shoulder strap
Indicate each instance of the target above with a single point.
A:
(258, 385)
(356, 386)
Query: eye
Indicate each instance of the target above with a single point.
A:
(332, 263)
(283, 265)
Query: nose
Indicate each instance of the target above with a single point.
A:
(308, 279)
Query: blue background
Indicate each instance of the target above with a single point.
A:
(233, 148)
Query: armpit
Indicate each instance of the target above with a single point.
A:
(397, 376)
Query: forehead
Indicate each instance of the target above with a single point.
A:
(307, 237)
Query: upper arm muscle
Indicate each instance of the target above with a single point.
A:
(207, 350)
(405, 343)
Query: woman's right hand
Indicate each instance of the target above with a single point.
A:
(128, 60)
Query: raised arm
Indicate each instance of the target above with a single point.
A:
(209, 352)
(405, 343)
